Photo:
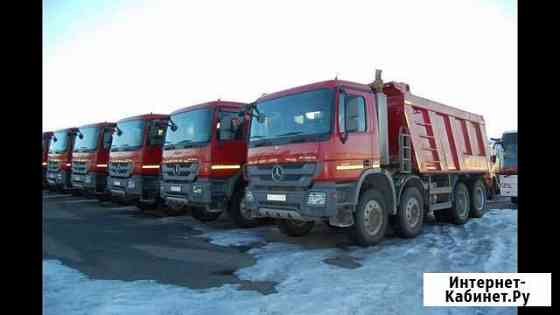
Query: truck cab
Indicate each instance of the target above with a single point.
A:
(363, 156)
(59, 162)
(507, 167)
(46, 141)
(90, 157)
(204, 152)
(134, 160)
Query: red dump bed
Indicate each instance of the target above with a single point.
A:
(444, 139)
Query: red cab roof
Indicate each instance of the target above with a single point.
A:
(213, 104)
(149, 116)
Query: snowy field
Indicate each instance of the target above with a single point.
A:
(385, 279)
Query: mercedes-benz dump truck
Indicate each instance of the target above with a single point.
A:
(507, 170)
(59, 163)
(46, 141)
(90, 158)
(205, 150)
(363, 157)
(134, 160)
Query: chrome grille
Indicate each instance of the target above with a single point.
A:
(54, 166)
(186, 171)
(79, 167)
(120, 169)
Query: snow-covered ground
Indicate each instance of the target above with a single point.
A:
(385, 279)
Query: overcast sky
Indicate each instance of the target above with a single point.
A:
(105, 60)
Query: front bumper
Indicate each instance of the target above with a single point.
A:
(59, 179)
(134, 188)
(295, 204)
(210, 194)
(91, 182)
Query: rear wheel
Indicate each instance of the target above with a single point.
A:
(202, 215)
(410, 216)
(370, 219)
(238, 211)
(294, 227)
(478, 199)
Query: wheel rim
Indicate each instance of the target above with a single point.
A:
(412, 212)
(373, 217)
(479, 199)
(462, 203)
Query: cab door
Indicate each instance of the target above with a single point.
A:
(229, 151)
(356, 146)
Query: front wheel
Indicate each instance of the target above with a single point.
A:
(238, 211)
(204, 216)
(478, 199)
(294, 227)
(370, 219)
(410, 216)
(459, 213)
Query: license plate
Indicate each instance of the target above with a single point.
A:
(175, 188)
(52, 175)
(117, 183)
(275, 197)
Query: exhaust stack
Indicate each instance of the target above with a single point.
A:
(382, 117)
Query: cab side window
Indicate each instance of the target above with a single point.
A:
(352, 113)
(230, 126)
(107, 139)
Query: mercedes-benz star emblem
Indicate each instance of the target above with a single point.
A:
(277, 173)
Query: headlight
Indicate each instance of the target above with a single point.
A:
(317, 198)
(197, 189)
(249, 196)
(131, 184)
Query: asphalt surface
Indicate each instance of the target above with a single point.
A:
(105, 240)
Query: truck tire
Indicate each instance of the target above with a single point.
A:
(204, 216)
(408, 221)
(370, 219)
(459, 212)
(295, 228)
(478, 199)
(238, 212)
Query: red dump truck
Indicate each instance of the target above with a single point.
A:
(90, 158)
(45, 143)
(134, 160)
(363, 157)
(205, 149)
(59, 161)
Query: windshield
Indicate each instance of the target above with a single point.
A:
(293, 118)
(509, 142)
(193, 128)
(61, 143)
(130, 137)
(88, 141)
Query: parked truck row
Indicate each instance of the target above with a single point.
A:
(359, 156)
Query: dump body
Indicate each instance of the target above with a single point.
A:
(202, 168)
(91, 156)
(135, 157)
(444, 139)
(59, 164)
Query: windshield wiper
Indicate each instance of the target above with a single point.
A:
(291, 133)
